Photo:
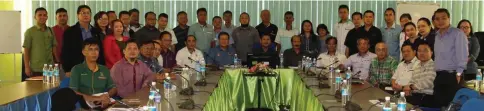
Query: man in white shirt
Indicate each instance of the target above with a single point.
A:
(342, 28)
(403, 73)
(162, 26)
(330, 57)
(189, 54)
(360, 62)
(284, 35)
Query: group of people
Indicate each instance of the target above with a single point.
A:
(118, 56)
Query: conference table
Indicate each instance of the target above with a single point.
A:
(26, 96)
(229, 90)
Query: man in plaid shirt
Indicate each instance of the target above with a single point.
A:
(382, 67)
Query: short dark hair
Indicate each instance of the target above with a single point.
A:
(60, 10)
(178, 14)
(130, 41)
(433, 17)
(150, 12)
(343, 7)
(243, 14)
(424, 43)
(369, 11)
(356, 13)
(133, 10)
(324, 27)
(442, 10)
(409, 24)
(426, 20)
(265, 34)
(363, 38)
(40, 9)
(391, 9)
(227, 12)
(89, 42)
(407, 45)
(163, 15)
(223, 33)
(465, 20)
(81, 7)
(289, 13)
(295, 36)
(216, 17)
(164, 33)
(191, 36)
(143, 43)
(201, 9)
(123, 13)
(406, 15)
(331, 38)
(99, 16)
(111, 11)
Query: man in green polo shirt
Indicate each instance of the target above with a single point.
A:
(39, 45)
(90, 78)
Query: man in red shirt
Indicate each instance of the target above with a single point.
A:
(61, 18)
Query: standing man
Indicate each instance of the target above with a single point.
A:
(202, 30)
(181, 31)
(111, 16)
(284, 35)
(352, 36)
(228, 26)
(162, 26)
(451, 55)
(266, 27)
(149, 31)
(245, 37)
(39, 45)
(134, 20)
(360, 62)
(217, 29)
(125, 18)
(74, 38)
(342, 28)
(370, 31)
(61, 18)
(391, 33)
(382, 67)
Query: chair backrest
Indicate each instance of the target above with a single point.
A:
(480, 58)
(64, 99)
(464, 94)
(65, 83)
(474, 104)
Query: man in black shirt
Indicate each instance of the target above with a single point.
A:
(352, 36)
(181, 31)
(369, 31)
(293, 55)
(266, 47)
(266, 27)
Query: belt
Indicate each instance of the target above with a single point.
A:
(448, 71)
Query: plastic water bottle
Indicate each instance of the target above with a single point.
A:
(202, 69)
(157, 99)
(337, 80)
(151, 105)
(198, 68)
(56, 73)
(45, 72)
(50, 74)
(331, 71)
(349, 73)
(236, 61)
(186, 75)
(344, 93)
(167, 86)
(478, 80)
(402, 102)
(387, 106)
(281, 59)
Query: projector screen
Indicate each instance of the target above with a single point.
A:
(417, 10)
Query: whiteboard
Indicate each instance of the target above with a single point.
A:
(10, 34)
(416, 9)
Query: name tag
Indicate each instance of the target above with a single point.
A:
(102, 77)
(84, 74)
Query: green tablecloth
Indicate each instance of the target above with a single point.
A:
(236, 93)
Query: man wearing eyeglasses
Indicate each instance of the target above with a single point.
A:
(74, 37)
(169, 56)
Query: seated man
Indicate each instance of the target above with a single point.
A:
(89, 77)
(404, 71)
(293, 55)
(146, 56)
(129, 73)
(265, 47)
(382, 67)
(189, 55)
(169, 61)
(223, 54)
(331, 57)
(360, 62)
(422, 83)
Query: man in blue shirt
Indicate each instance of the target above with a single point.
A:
(450, 58)
(391, 33)
(222, 54)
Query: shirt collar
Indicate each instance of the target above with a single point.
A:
(392, 27)
(364, 55)
(341, 21)
(88, 28)
(40, 27)
(220, 48)
(125, 61)
(412, 61)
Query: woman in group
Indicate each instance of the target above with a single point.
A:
(474, 48)
(101, 23)
(323, 34)
(426, 32)
(411, 32)
(309, 40)
(114, 44)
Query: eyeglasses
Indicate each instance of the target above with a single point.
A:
(465, 27)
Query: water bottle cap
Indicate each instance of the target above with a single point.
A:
(50, 65)
(45, 64)
(349, 68)
(479, 70)
(153, 83)
(402, 93)
(387, 98)
(56, 64)
(344, 81)
(337, 71)
(166, 74)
